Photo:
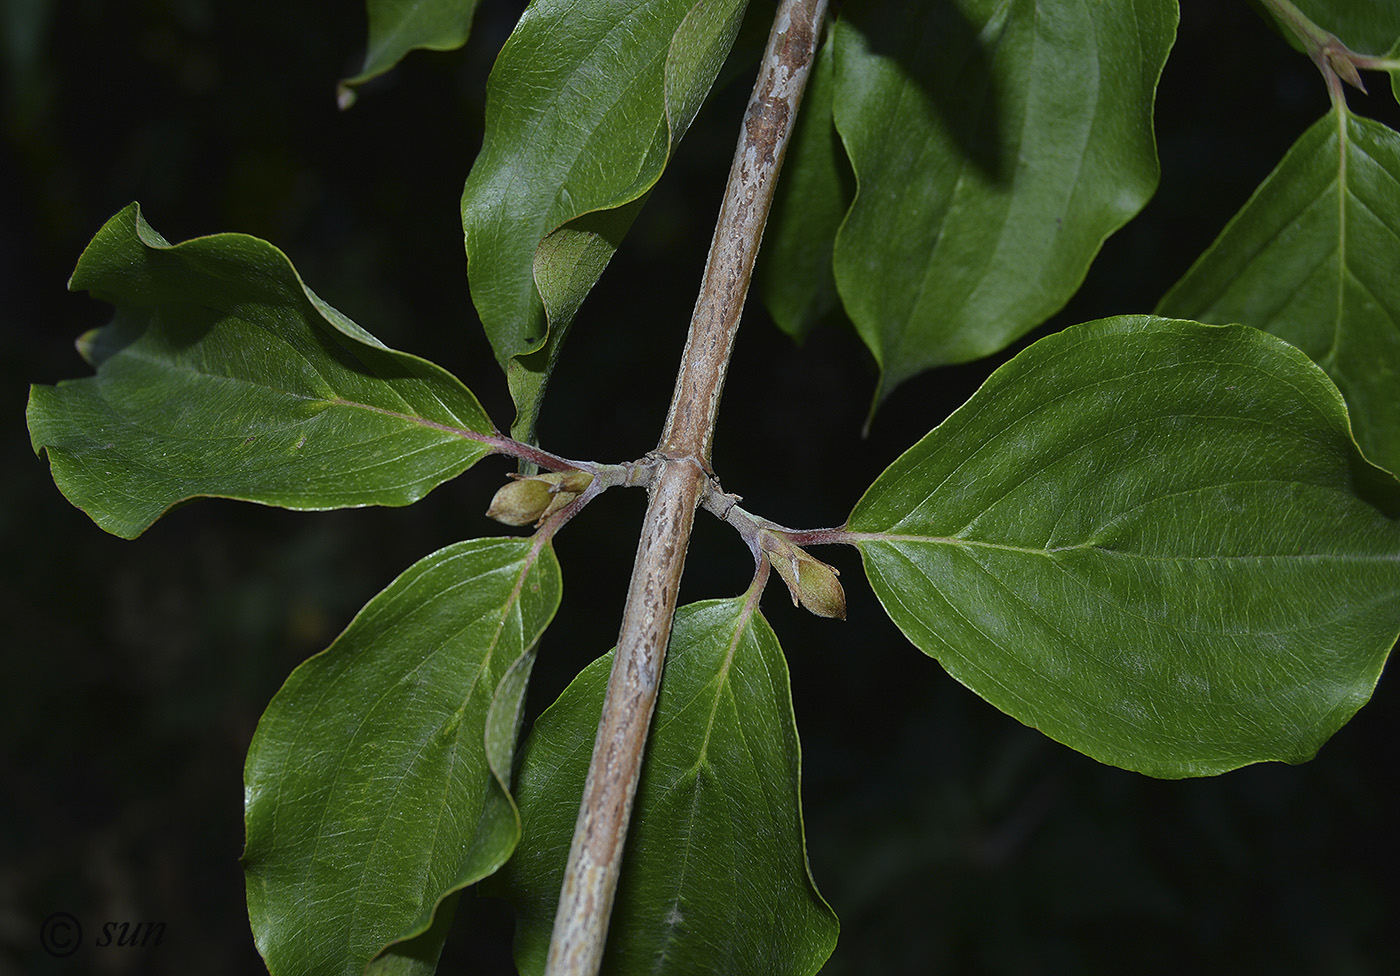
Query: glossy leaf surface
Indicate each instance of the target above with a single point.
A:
(715, 878)
(377, 780)
(222, 374)
(1153, 540)
(399, 26)
(1314, 257)
(583, 109)
(995, 146)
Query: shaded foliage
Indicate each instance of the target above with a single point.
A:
(138, 676)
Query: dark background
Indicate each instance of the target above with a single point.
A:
(946, 836)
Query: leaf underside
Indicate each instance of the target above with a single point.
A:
(1153, 540)
(1314, 257)
(222, 374)
(376, 783)
(715, 878)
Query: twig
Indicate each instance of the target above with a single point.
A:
(1337, 62)
(595, 857)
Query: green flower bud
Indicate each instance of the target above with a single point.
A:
(819, 588)
(533, 498)
(811, 582)
(520, 502)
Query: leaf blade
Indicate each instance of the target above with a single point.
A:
(1310, 257)
(584, 107)
(223, 375)
(710, 884)
(1152, 540)
(794, 266)
(376, 783)
(397, 27)
(1024, 142)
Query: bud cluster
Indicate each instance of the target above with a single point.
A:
(533, 498)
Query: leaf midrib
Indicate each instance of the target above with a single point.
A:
(334, 400)
(1051, 552)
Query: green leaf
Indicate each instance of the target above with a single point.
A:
(586, 102)
(794, 267)
(996, 146)
(419, 955)
(567, 265)
(399, 26)
(1313, 258)
(222, 374)
(715, 878)
(1153, 540)
(376, 783)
